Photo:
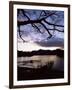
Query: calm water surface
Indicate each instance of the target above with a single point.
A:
(40, 60)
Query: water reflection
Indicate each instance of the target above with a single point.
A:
(38, 61)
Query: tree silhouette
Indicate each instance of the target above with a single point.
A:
(48, 20)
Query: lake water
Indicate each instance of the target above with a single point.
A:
(37, 61)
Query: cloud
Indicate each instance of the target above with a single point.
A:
(57, 42)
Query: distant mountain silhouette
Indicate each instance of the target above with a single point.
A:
(57, 52)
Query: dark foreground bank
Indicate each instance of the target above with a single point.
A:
(36, 74)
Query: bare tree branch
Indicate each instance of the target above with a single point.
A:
(20, 34)
(36, 27)
(50, 35)
(42, 20)
(25, 14)
(56, 30)
(53, 24)
(36, 21)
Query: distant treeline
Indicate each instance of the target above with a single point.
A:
(57, 52)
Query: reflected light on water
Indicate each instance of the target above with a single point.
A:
(40, 60)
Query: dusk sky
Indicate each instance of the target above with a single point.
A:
(36, 40)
